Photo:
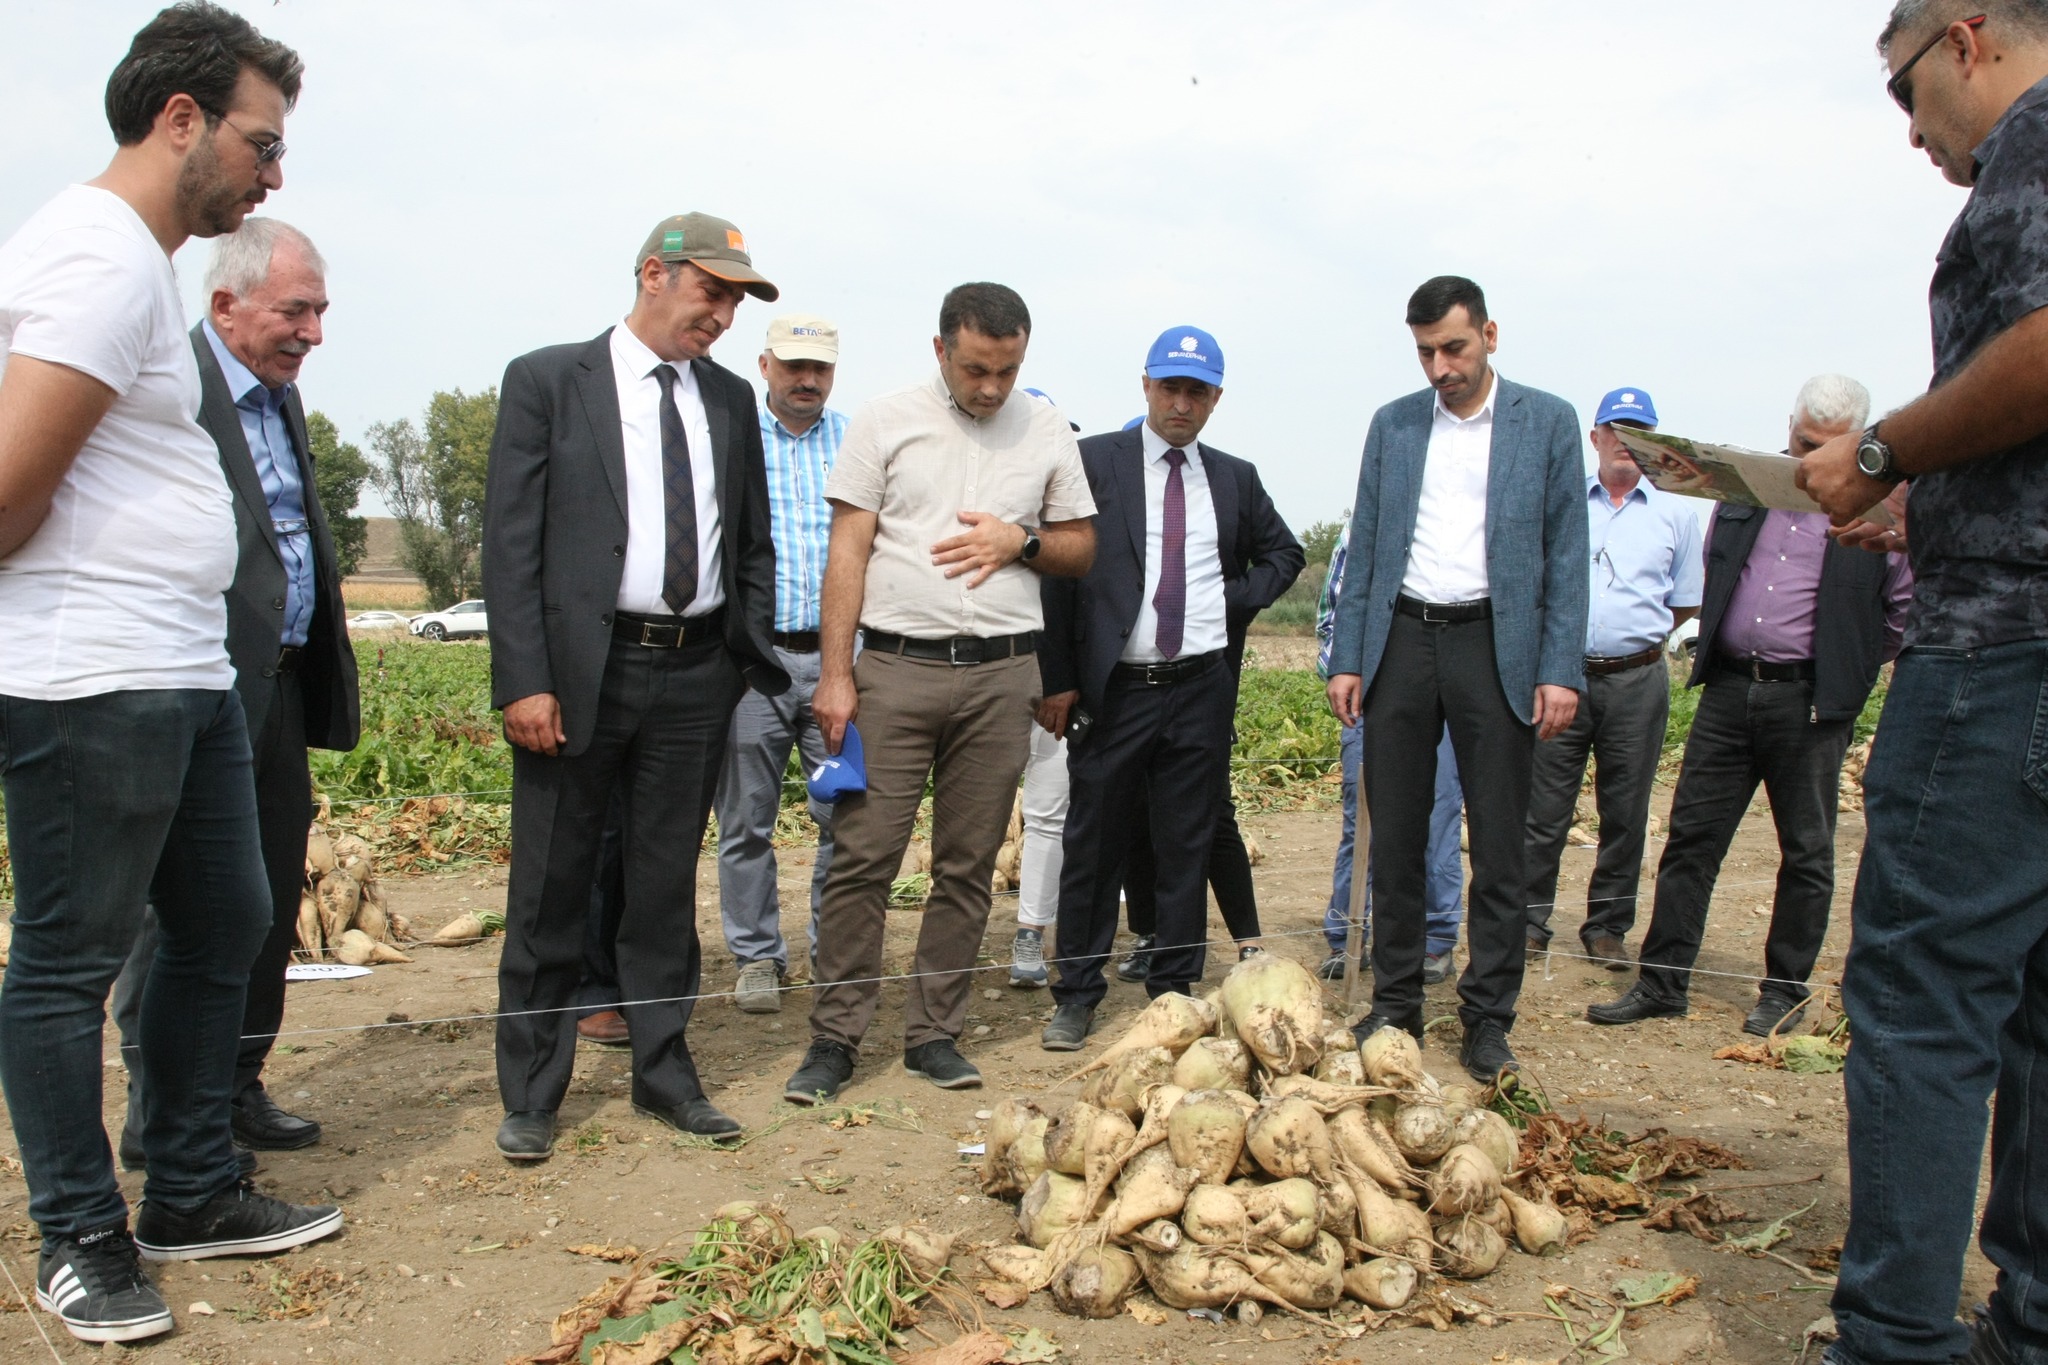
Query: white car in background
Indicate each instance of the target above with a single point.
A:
(378, 620)
(462, 619)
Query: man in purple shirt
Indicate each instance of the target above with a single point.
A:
(1793, 631)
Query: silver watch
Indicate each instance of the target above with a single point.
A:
(1874, 458)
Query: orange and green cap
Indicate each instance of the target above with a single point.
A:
(712, 244)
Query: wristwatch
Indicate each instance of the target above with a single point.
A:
(1032, 545)
(1874, 458)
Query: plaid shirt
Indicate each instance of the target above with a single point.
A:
(1326, 605)
(800, 516)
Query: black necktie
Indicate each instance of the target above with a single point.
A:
(679, 492)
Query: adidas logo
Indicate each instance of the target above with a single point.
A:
(65, 1289)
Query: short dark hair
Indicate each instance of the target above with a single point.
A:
(1436, 298)
(994, 310)
(198, 49)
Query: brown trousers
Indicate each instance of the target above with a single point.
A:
(969, 727)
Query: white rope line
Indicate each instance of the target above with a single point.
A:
(35, 1319)
(904, 976)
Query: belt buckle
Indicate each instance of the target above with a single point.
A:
(953, 653)
(1429, 620)
(1756, 670)
(647, 635)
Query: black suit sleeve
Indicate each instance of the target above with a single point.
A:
(1059, 665)
(1273, 557)
(515, 517)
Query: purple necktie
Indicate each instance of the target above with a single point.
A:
(1171, 599)
(679, 500)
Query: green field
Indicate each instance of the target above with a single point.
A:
(429, 731)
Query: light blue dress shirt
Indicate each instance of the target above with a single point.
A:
(800, 517)
(1646, 561)
(261, 409)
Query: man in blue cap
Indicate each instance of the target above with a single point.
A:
(1139, 665)
(1646, 578)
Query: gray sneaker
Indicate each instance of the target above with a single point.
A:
(1437, 967)
(1027, 959)
(759, 988)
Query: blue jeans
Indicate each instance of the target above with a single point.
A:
(1446, 872)
(1946, 988)
(114, 801)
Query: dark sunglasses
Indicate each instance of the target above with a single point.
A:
(1896, 87)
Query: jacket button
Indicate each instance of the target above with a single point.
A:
(277, 604)
(269, 672)
(605, 619)
(619, 551)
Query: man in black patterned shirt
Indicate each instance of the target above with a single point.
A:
(1947, 976)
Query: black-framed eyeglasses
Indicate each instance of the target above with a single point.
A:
(1896, 87)
(267, 153)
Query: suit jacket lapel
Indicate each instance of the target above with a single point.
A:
(1130, 491)
(1401, 477)
(725, 433)
(1223, 499)
(1506, 452)
(218, 414)
(599, 389)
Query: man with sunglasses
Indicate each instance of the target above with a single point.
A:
(1646, 583)
(1947, 974)
(124, 750)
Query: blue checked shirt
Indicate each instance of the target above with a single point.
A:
(800, 516)
(261, 410)
(1326, 605)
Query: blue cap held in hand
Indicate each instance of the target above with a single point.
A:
(843, 774)
(1626, 405)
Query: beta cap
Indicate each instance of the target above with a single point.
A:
(712, 244)
(799, 336)
(1186, 351)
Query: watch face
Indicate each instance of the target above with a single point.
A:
(1871, 459)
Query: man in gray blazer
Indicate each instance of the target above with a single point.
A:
(266, 294)
(631, 581)
(1464, 602)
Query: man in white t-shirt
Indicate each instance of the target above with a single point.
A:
(124, 756)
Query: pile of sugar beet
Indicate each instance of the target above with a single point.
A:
(1242, 1149)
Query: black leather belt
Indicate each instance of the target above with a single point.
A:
(1758, 670)
(961, 649)
(1600, 665)
(1167, 673)
(1445, 613)
(289, 657)
(668, 632)
(797, 641)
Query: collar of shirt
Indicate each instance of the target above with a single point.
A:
(1595, 488)
(633, 356)
(1156, 446)
(2029, 99)
(248, 390)
(1485, 413)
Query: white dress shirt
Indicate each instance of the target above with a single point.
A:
(1202, 632)
(1447, 556)
(633, 367)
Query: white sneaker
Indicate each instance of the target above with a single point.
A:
(759, 988)
(1027, 959)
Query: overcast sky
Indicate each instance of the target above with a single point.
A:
(1711, 202)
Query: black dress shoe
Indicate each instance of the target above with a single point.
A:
(698, 1117)
(1138, 965)
(1068, 1029)
(1639, 1004)
(1486, 1054)
(1373, 1023)
(527, 1135)
(261, 1126)
(1775, 1010)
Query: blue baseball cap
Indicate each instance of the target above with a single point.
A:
(1626, 405)
(843, 774)
(1186, 352)
(1135, 422)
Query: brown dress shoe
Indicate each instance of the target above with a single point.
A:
(1611, 952)
(606, 1028)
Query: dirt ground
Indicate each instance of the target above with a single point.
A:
(452, 1255)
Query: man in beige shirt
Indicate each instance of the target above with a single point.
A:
(948, 501)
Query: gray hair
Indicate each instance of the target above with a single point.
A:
(241, 259)
(2029, 17)
(1833, 400)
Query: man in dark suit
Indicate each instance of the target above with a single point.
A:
(1188, 550)
(266, 294)
(631, 578)
(1464, 602)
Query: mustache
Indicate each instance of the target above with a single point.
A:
(294, 347)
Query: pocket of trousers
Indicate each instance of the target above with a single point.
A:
(2035, 774)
